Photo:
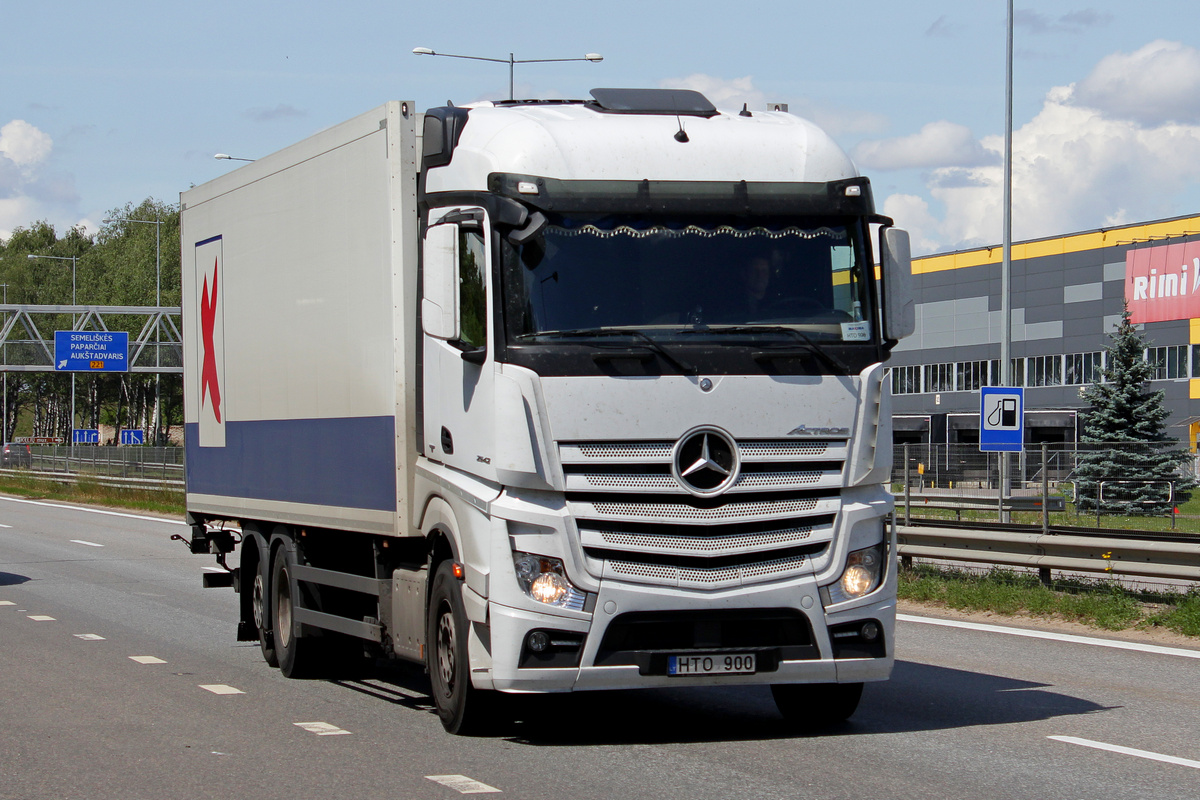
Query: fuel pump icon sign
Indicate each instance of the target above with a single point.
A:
(1001, 418)
(1004, 413)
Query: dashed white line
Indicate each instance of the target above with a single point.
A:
(1058, 637)
(89, 637)
(7, 603)
(1129, 751)
(462, 784)
(220, 688)
(89, 544)
(5, 526)
(41, 618)
(147, 659)
(321, 728)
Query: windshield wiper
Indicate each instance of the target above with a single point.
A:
(650, 341)
(829, 358)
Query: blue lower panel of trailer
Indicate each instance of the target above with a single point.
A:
(348, 462)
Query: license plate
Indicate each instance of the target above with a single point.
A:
(723, 664)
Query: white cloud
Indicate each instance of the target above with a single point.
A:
(23, 144)
(1103, 152)
(1156, 84)
(938, 144)
(29, 190)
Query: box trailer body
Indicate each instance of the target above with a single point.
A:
(551, 396)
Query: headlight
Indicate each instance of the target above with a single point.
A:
(544, 579)
(863, 574)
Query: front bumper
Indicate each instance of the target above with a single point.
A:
(796, 602)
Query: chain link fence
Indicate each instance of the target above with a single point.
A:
(1126, 478)
(159, 464)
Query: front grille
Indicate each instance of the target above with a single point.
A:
(637, 523)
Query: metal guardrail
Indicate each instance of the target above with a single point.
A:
(1169, 560)
(113, 481)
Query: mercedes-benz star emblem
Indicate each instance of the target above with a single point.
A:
(705, 461)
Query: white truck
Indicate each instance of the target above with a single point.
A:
(551, 396)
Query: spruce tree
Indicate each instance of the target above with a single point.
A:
(1124, 436)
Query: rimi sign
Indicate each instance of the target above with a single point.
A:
(1163, 282)
(91, 351)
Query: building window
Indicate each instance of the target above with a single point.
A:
(970, 375)
(1043, 371)
(906, 380)
(1168, 362)
(939, 377)
(1196, 361)
(1018, 372)
(1084, 368)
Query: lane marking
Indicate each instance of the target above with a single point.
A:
(321, 728)
(147, 659)
(1058, 637)
(7, 603)
(462, 784)
(5, 526)
(41, 618)
(89, 544)
(89, 637)
(94, 511)
(220, 688)
(1129, 751)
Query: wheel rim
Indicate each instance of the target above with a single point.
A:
(257, 604)
(283, 612)
(445, 648)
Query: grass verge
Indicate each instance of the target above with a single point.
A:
(91, 493)
(1100, 603)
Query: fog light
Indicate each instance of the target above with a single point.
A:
(537, 641)
(870, 630)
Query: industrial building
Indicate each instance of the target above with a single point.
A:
(1066, 294)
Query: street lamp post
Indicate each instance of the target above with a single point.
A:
(512, 62)
(157, 223)
(74, 263)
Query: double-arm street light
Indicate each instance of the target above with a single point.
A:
(512, 62)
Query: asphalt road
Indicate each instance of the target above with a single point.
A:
(122, 679)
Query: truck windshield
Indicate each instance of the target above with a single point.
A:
(768, 277)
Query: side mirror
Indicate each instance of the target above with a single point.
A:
(899, 311)
(439, 303)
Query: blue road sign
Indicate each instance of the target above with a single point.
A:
(1001, 419)
(133, 437)
(85, 436)
(91, 351)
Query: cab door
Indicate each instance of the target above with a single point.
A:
(457, 325)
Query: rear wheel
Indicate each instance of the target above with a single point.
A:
(811, 706)
(260, 607)
(462, 708)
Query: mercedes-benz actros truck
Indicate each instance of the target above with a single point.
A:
(551, 396)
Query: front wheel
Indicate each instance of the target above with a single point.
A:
(811, 706)
(462, 708)
(295, 653)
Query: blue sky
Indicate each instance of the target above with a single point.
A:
(103, 104)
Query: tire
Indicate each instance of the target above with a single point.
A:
(296, 655)
(260, 605)
(462, 708)
(812, 706)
